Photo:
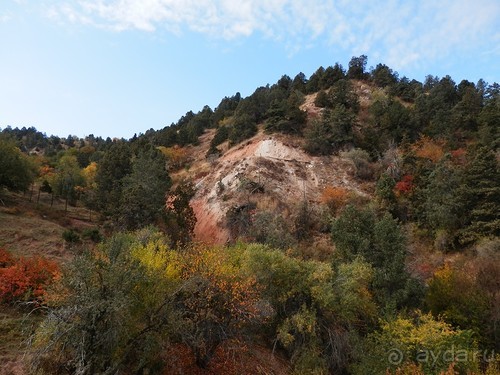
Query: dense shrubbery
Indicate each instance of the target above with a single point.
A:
(381, 243)
(123, 304)
(421, 341)
(119, 305)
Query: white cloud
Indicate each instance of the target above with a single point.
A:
(400, 32)
(5, 16)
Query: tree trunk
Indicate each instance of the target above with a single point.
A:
(201, 359)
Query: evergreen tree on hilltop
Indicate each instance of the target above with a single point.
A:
(244, 126)
(383, 76)
(357, 67)
(285, 116)
(489, 118)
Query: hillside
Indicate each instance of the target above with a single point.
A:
(312, 227)
(30, 228)
(276, 166)
(33, 228)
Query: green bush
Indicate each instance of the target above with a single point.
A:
(16, 169)
(71, 236)
(92, 234)
(108, 314)
(421, 340)
(315, 309)
(361, 160)
(382, 243)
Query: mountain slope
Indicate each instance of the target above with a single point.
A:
(271, 171)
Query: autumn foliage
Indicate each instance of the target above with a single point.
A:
(335, 197)
(405, 186)
(24, 278)
(216, 300)
(408, 189)
(176, 156)
(223, 278)
(428, 148)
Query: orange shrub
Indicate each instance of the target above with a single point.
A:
(216, 300)
(428, 148)
(335, 197)
(24, 278)
(176, 156)
(46, 170)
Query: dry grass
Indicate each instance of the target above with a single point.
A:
(30, 228)
(14, 329)
(11, 328)
(28, 236)
(320, 248)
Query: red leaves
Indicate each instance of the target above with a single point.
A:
(24, 278)
(405, 186)
(459, 156)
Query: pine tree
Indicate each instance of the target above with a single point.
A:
(381, 243)
(329, 134)
(180, 216)
(481, 193)
(144, 190)
(112, 168)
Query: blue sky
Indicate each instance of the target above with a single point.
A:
(119, 67)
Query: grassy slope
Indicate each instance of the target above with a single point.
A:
(26, 235)
(28, 229)
(11, 333)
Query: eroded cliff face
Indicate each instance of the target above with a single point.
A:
(271, 171)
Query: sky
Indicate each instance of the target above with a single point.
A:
(120, 67)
